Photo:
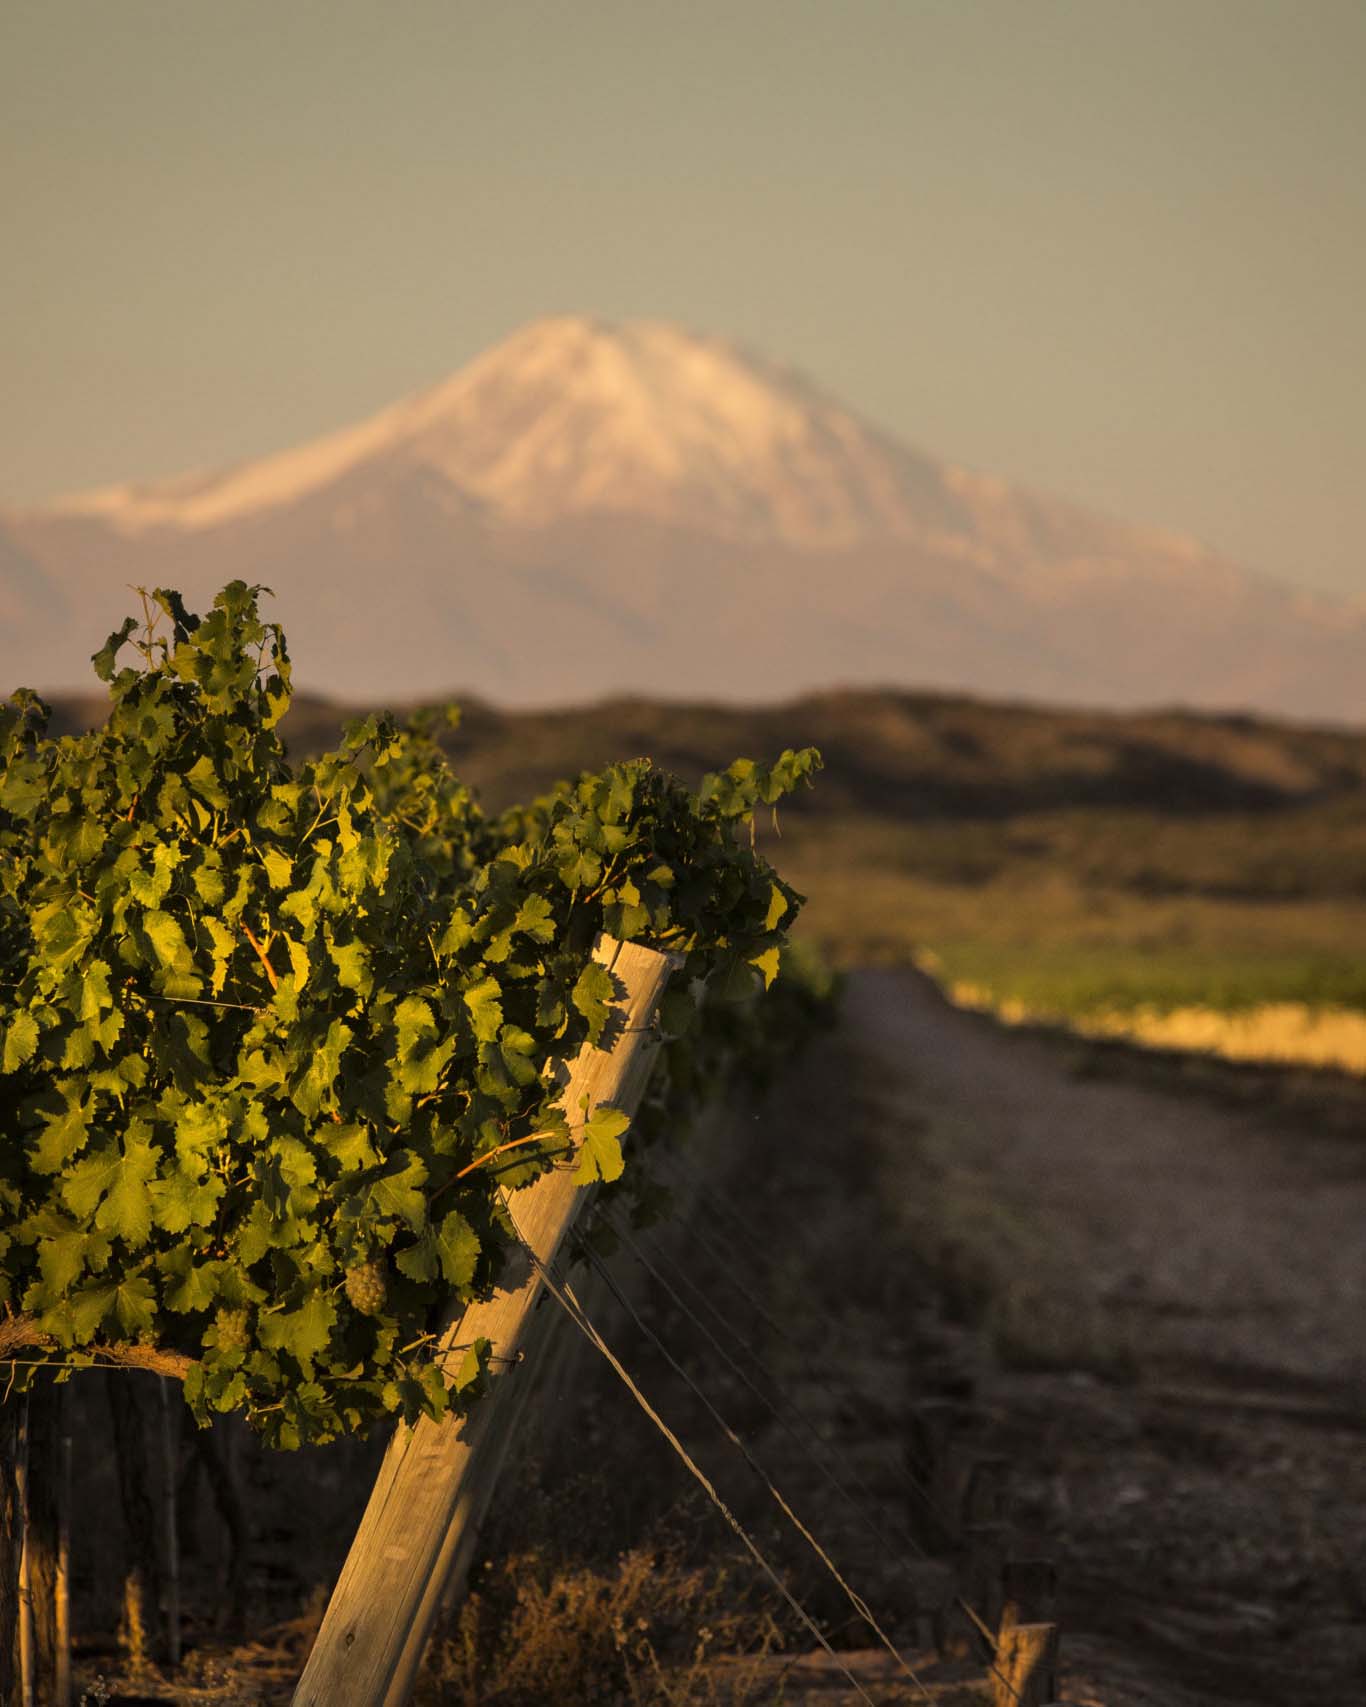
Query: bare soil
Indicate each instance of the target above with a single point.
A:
(1167, 1292)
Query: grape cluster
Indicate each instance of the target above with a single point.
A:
(365, 1287)
(232, 1330)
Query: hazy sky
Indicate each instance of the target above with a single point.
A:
(1113, 250)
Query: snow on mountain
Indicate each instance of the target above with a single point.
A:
(589, 508)
(568, 417)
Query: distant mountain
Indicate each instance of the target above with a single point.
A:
(590, 509)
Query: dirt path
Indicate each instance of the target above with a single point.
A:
(1174, 1297)
(1222, 1244)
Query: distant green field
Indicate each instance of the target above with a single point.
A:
(1039, 913)
(1073, 982)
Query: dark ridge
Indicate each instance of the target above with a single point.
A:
(896, 755)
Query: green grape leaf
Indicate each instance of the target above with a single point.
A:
(535, 918)
(134, 1307)
(766, 965)
(62, 1258)
(126, 1209)
(179, 1202)
(279, 868)
(778, 906)
(599, 1155)
(103, 660)
(457, 1249)
(188, 1285)
(315, 1085)
(592, 995)
(299, 962)
(203, 778)
(352, 961)
(126, 1307)
(167, 938)
(21, 1043)
(399, 1191)
(63, 1136)
(302, 1332)
(350, 1146)
(485, 1010)
(473, 1366)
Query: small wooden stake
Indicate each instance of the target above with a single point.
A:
(11, 1540)
(1025, 1674)
(26, 1661)
(935, 1468)
(436, 1481)
(930, 1424)
(1029, 1592)
(61, 1689)
(982, 1549)
(44, 1429)
(168, 1492)
(143, 1583)
(984, 1529)
(986, 1498)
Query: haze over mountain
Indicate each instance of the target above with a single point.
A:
(590, 509)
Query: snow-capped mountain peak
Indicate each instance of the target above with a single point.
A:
(573, 415)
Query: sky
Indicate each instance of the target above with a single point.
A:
(1116, 252)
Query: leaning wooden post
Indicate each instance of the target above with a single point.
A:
(437, 1477)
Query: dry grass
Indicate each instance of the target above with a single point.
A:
(1284, 1032)
(542, 1631)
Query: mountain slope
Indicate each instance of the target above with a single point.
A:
(588, 509)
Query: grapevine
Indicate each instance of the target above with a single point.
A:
(275, 1036)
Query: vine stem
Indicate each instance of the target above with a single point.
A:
(22, 1332)
(512, 1144)
(488, 1155)
(271, 973)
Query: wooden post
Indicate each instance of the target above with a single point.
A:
(61, 1689)
(935, 1470)
(168, 1494)
(209, 1452)
(26, 1659)
(44, 1427)
(1026, 1666)
(11, 1541)
(980, 1552)
(142, 1582)
(986, 1497)
(984, 1531)
(1029, 1592)
(435, 1482)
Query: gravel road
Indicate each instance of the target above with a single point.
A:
(1167, 1297)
